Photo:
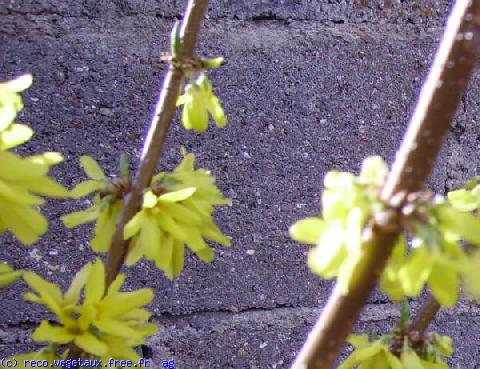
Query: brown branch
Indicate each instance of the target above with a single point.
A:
(425, 315)
(152, 149)
(428, 126)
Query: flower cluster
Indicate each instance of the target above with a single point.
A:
(107, 323)
(177, 210)
(22, 180)
(437, 257)
(347, 202)
(397, 351)
(428, 251)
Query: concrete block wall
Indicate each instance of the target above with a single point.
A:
(308, 86)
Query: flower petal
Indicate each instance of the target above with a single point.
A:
(86, 187)
(92, 168)
(80, 217)
(15, 135)
(91, 344)
(73, 293)
(95, 284)
(46, 332)
(177, 196)
(307, 230)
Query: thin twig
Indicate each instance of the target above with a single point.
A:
(425, 315)
(152, 148)
(428, 126)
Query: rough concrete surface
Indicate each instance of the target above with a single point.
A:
(308, 86)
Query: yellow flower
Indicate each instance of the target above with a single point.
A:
(22, 179)
(348, 201)
(410, 360)
(106, 207)
(177, 210)
(370, 354)
(104, 324)
(199, 101)
(12, 134)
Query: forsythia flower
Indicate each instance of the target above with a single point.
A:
(468, 200)
(176, 211)
(105, 324)
(347, 203)
(438, 269)
(12, 134)
(435, 225)
(106, 204)
(379, 355)
(199, 101)
(437, 257)
(370, 355)
(22, 179)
